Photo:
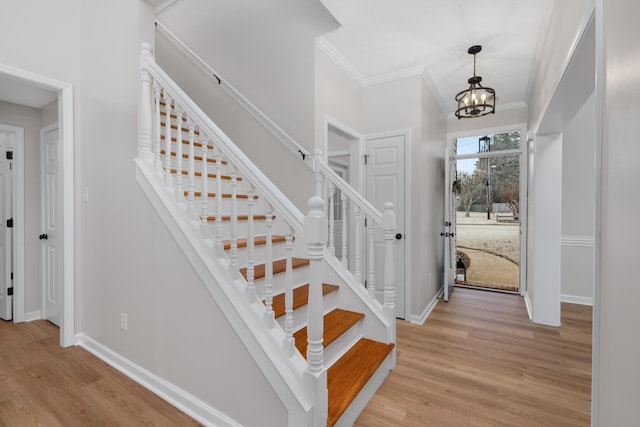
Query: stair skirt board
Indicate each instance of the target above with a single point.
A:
(179, 398)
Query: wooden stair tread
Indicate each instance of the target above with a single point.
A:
(185, 141)
(257, 241)
(212, 218)
(300, 297)
(351, 372)
(224, 195)
(164, 125)
(279, 266)
(198, 173)
(197, 158)
(336, 323)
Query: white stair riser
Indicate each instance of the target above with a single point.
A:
(342, 344)
(300, 277)
(300, 315)
(258, 227)
(279, 251)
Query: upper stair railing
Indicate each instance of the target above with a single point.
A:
(357, 252)
(200, 164)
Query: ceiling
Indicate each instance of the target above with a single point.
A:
(381, 40)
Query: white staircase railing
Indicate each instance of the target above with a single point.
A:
(358, 250)
(169, 119)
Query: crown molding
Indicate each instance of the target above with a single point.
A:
(340, 60)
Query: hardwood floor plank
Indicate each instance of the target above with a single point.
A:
(479, 361)
(43, 384)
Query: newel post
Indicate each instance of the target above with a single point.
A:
(146, 108)
(315, 375)
(389, 304)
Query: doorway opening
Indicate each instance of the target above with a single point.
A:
(486, 220)
(28, 86)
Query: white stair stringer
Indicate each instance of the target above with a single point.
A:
(283, 373)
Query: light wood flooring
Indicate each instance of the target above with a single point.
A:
(43, 384)
(478, 361)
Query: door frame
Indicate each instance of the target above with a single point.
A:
(330, 123)
(18, 266)
(65, 123)
(524, 195)
(407, 232)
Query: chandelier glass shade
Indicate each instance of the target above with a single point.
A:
(477, 100)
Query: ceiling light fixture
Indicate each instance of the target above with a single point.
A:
(477, 101)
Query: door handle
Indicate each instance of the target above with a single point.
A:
(44, 236)
(399, 236)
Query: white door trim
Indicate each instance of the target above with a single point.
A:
(18, 212)
(524, 195)
(408, 231)
(65, 123)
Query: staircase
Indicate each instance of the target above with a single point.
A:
(324, 334)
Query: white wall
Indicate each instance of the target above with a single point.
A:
(337, 94)
(562, 35)
(29, 119)
(408, 104)
(617, 350)
(126, 261)
(428, 191)
(578, 201)
(265, 150)
(264, 49)
(545, 218)
(501, 118)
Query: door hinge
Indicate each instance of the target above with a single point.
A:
(10, 291)
(10, 223)
(9, 155)
(366, 156)
(12, 275)
(365, 222)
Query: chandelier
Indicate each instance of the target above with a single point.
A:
(477, 100)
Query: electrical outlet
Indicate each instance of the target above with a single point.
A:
(124, 322)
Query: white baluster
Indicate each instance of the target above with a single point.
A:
(218, 246)
(167, 142)
(343, 201)
(356, 252)
(251, 288)
(315, 374)
(233, 267)
(192, 173)
(178, 176)
(389, 305)
(146, 110)
(289, 343)
(371, 285)
(332, 231)
(269, 318)
(157, 126)
(204, 191)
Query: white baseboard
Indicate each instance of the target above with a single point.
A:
(419, 320)
(32, 315)
(179, 398)
(527, 303)
(574, 299)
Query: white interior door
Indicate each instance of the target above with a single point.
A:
(448, 234)
(6, 235)
(385, 183)
(51, 236)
